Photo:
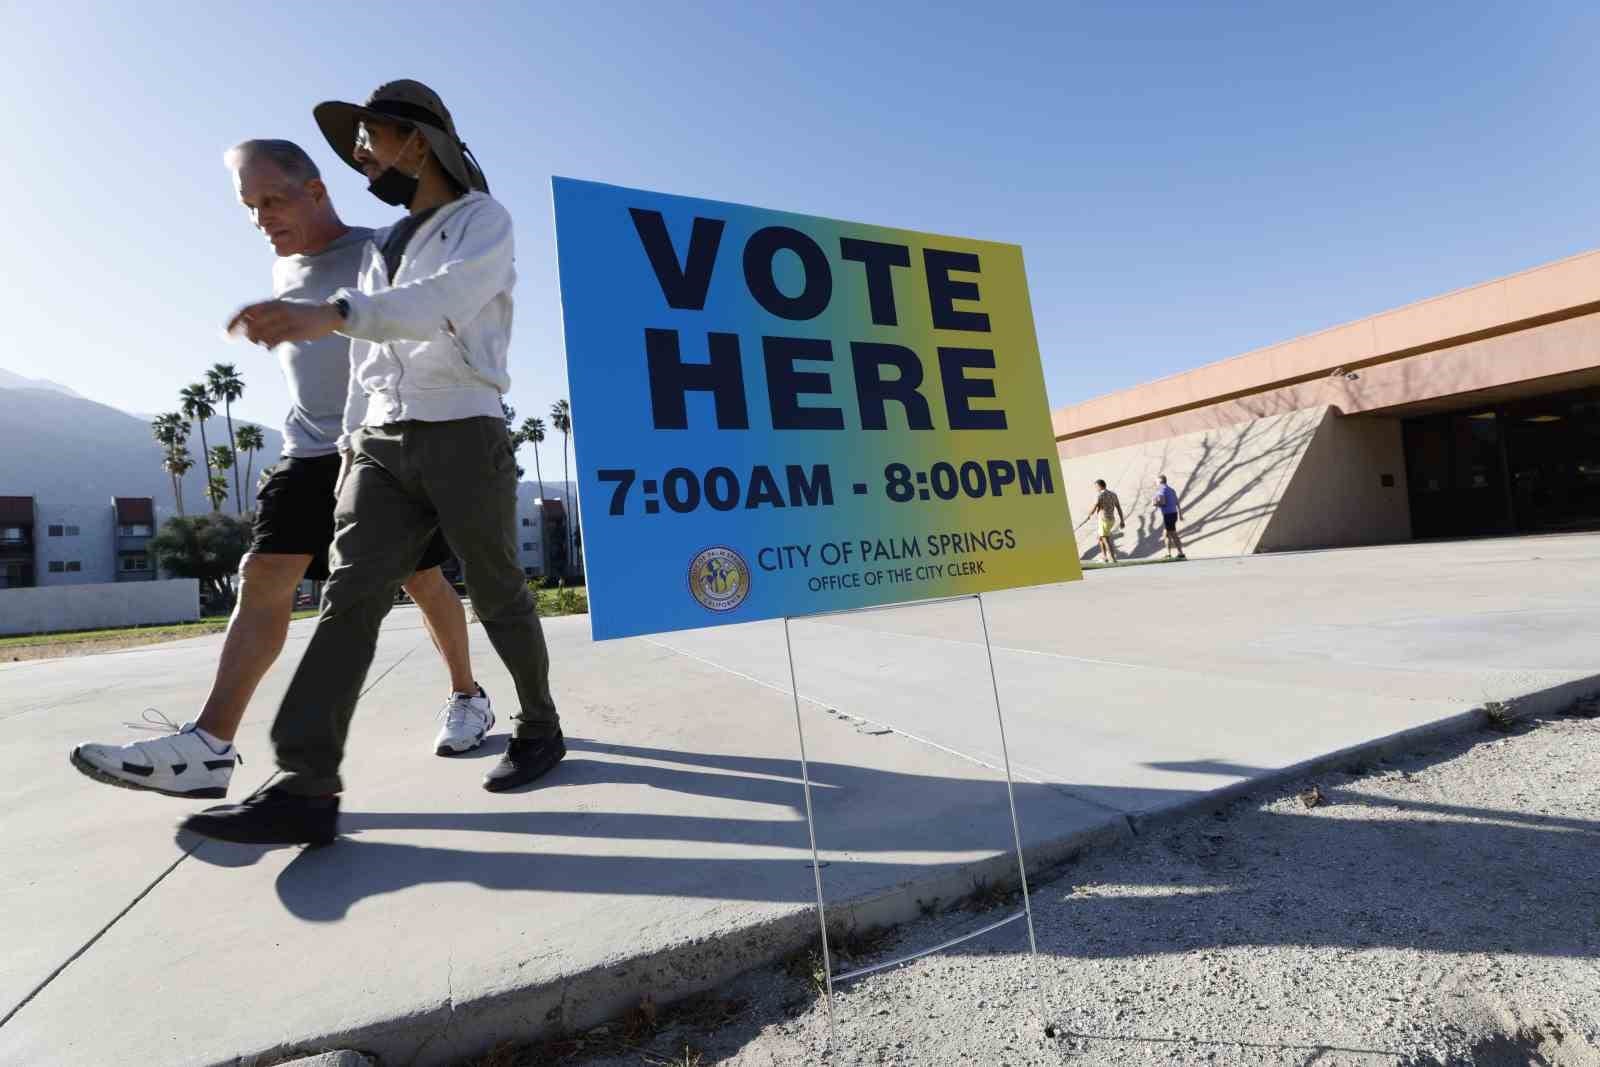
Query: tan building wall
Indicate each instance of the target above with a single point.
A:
(1288, 446)
(1545, 358)
(1349, 488)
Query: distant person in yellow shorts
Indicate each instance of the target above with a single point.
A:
(1104, 505)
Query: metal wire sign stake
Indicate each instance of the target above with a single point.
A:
(1025, 914)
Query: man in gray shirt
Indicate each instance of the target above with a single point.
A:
(317, 372)
(294, 521)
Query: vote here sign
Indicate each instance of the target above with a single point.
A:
(775, 414)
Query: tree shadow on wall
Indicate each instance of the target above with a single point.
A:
(1223, 491)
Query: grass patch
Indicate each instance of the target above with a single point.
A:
(1500, 716)
(846, 944)
(128, 634)
(857, 944)
(567, 600)
(805, 966)
(987, 896)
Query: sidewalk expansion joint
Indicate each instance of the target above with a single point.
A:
(884, 727)
(87, 945)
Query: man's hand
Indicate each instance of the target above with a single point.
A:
(275, 321)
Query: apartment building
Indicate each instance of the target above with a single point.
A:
(58, 540)
(16, 542)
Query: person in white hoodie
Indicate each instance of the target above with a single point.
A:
(431, 323)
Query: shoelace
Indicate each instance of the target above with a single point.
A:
(454, 712)
(161, 722)
(157, 721)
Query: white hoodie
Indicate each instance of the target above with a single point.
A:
(431, 345)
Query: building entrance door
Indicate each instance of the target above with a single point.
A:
(1553, 445)
(1526, 466)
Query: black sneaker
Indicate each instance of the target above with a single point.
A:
(271, 817)
(525, 760)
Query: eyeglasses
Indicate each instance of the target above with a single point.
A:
(364, 133)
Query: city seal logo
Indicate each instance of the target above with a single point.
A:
(719, 579)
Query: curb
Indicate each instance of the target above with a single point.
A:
(457, 1030)
(1531, 705)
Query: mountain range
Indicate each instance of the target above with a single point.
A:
(55, 444)
(8, 380)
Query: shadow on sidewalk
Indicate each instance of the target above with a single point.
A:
(1449, 891)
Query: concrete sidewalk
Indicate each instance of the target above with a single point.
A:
(669, 850)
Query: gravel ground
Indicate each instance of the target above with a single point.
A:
(1443, 908)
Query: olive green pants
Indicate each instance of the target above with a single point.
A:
(406, 480)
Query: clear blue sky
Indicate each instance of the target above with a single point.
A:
(1187, 181)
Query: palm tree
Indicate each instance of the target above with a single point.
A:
(177, 463)
(533, 432)
(227, 386)
(197, 404)
(171, 432)
(221, 460)
(168, 427)
(217, 490)
(510, 415)
(250, 442)
(561, 419)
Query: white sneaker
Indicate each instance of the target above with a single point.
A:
(466, 719)
(181, 764)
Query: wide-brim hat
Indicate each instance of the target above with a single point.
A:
(405, 101)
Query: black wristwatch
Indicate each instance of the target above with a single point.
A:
(344, 307)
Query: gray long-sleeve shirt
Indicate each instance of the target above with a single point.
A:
(317, 372)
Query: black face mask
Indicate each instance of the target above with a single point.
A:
(395, 187)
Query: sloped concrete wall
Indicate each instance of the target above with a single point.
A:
(1302, 479)
(1230, 479)
(1337, 497)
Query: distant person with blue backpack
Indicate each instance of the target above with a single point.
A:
(1171, 512)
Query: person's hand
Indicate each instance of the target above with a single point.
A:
(274, 321)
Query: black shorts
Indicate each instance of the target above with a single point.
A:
(1171, 520)
(294, 515)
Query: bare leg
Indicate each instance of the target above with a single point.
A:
(255, 637)
(446, 621)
